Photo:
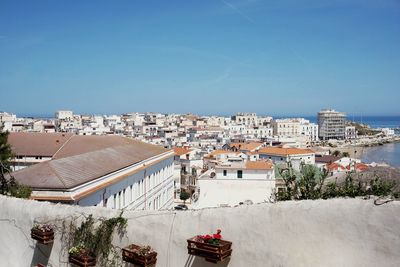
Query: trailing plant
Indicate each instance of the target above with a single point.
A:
(95, 236)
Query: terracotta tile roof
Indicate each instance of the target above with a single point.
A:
(259, 165)
(284, 151)
(37, 144)
(246, 146)
(358, 166)
(179, 151)
(335, 166)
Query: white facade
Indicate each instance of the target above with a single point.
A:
(296, 127)
(286, 127)
(310, 130)
(350, 132)
(232, 184)
(295, 159)
(388, 131)
(331, 124)
(246, 118)
(148, 185)
(64, 115)
(6, 120)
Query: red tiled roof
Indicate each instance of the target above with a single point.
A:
(246, 146)
(335, 166)
(179, 151)
(259, 165)
(359, 166)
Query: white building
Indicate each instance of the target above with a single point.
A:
(7, 120)
(286, 127)
(64, 115)
(245, 118)
(109, 171)
(309, 129)
(232, 184)
(350, 132)
(331, 124)
(295, 127)
(388, 131)
(296, 156)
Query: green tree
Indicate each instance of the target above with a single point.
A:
(8, 185)
(184, 196)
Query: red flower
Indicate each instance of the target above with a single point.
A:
(217, 236)
(207, 237)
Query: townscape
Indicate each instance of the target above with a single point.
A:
(212, 133)
(207, 161)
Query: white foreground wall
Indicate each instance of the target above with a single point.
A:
(308, 233)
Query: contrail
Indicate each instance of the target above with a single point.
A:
(237, 10)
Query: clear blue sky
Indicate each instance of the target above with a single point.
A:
(209, 57)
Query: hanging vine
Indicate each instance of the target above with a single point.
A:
(96, 237)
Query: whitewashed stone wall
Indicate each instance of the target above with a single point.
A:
(340, 232)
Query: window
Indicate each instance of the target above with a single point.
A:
(225, 172)
(131, 189)
(239, 174)
(123, 197)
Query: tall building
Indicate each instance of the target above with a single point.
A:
(331, 124)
